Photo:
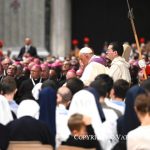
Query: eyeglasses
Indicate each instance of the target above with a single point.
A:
(11, 68)
(109, 51)
(66, 64)
(6, 64)
(35, 71)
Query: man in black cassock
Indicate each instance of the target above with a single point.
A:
(25, 90)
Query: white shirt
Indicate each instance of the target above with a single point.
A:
(36, 90)
(13, 106)
(108, 134)
(108, 129)
(139, 138)
(115, 106)
(62, 130)
(27, 47)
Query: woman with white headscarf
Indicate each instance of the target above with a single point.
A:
(28, 108)
(5, 112)
(86, 102)
(27, 127)
(83, 102)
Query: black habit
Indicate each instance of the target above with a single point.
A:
(25, 90)
(29, 129)
(4, 137)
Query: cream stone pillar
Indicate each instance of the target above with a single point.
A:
(60, 42)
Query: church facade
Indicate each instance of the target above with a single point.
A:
(29, 18)
(52, 24)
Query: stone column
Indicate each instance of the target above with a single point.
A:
(1, 19)
(60, 42)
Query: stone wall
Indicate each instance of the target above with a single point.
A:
(26, 18)
(20, 19)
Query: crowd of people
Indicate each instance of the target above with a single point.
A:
(83, 100)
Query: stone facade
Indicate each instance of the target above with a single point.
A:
(26, 18)
(20, 19)
(60, 27)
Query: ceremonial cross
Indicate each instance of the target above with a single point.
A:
(15, 4)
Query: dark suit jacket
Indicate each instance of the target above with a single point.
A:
(32, 51)
(25, 90)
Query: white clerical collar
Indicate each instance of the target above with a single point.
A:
(33, 82)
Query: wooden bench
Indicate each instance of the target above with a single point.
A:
(64, 147)
(28, 145)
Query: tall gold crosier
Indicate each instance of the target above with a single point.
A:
(135, 34)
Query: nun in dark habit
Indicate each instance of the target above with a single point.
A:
(4, 137)
(129, 120)
(25, 89)
(27, 127)
(47, 102)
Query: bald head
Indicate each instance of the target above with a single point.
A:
(45, 71)
(64, 95)
(36, 71)
(28, 41)
(70, 74)
(6, 62)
